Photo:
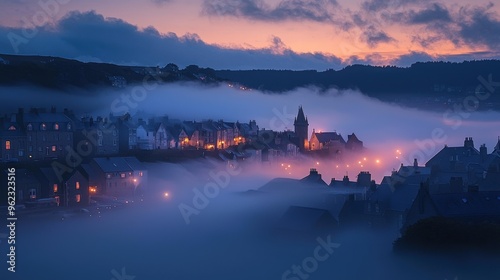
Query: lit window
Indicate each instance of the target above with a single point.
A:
(55, 188)
(77, 198)
(77, 185)
(54, 148)
(43, 127)
(108, 176)
(140, 173)
(12, 127)
(56, 126)
(30, 127)
(7, 145)
(122, 175)
(68, 126)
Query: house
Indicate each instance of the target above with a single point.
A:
(72, 190)
(118, 176)
(465, 164)
(36, 135)
(100, 137)
(28, 187)
(12, 139)
(314, 178)
(353, 143)
(472, 206)
(331, 141)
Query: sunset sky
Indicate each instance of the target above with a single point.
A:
(246, 34)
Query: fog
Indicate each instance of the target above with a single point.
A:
(391, 134)
(233, 237)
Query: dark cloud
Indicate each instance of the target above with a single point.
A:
(373, 36)
(436, 12)
(91, 36)
(478, 25)
(378, 5)
(319, 11)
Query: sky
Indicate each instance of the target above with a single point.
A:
(250, 34)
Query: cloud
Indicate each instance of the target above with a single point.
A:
(373, 37)
(319, 11)
(478, 25)
(378, 5)
(436, 12)
(113, 40)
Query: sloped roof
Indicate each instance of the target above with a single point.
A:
(324, 137)
(45, 117)
(305, 218)
(113, 164)
(403, 196)
(465, 155)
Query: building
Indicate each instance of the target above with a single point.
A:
(301, 126)
(118, 176)
(332, 142)
(72, 190)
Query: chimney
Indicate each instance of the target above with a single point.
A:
(364, 179)
(345, 180)
(313, 172)
(483, 151)
(415, 163)
(468, 143)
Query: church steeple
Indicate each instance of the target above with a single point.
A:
(301, 118)
(302, 129)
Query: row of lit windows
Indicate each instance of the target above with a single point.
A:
(43, 126)
(122, 175)
(77, 187)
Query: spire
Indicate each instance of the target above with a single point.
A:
(301, 118)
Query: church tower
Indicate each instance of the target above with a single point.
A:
(302, 130)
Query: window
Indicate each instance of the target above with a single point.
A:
(56, 126)
(77, 185)
(54, 148)
(114, 142)
(56, 137)
(140, 174)
(55, 188)
(68, 126)
(114, 132)
(40, 149)
(7, 145)
(43, 126)
(108, 175)
(122, 175)
(99, 141)
(99, 133)
(77, 198)
(30, 148)
(21, 153)
(12, 128)
(32, 193)
(44, 138)
(30, 127)
(29, 138)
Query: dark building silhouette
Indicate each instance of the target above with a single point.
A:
(302, 130)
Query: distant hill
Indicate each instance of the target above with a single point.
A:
(422, 78)
(429, 85)
(60, 73)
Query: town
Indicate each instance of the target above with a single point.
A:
(62, 160)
